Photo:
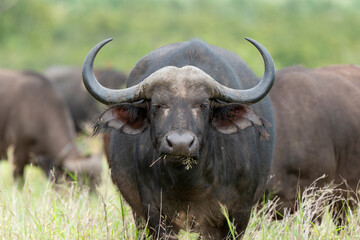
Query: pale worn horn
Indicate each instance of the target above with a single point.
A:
(99, 92)
(139, 91)
(252, 95)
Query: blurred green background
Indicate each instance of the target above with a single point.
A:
(35, 34)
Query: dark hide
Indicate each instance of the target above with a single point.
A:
(37, 124)
(317, 118)
(83, 108)
(229, 165)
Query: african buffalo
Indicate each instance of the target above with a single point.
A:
(68, 81)
(186, 139)
(35, 121)
(317, 118)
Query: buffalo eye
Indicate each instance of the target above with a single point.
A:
(204, 106)
(156, 107)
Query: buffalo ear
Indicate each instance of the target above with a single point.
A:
(127, 118)
(228, 118)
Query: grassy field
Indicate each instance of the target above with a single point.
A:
(35, 34)
(43, 210)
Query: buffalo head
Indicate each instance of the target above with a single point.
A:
(179, 105)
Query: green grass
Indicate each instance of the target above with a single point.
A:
(43, 210)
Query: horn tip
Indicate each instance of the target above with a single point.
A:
(250, 40)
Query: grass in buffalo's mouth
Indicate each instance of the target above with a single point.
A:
(187, 161)
(161, 157)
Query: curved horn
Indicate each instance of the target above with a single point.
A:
(99, 92)
(139, 91)
(255, 94)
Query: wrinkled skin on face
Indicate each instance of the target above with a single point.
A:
(178, 110)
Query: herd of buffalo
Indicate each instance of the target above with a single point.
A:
(189, 130)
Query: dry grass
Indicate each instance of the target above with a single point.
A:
(317, 217)
(42, 210)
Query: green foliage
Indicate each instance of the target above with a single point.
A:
(37, 33)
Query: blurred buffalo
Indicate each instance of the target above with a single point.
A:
(68, 81)
(317, 117)
(36, 122)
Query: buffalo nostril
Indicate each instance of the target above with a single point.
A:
(192, 142)
(168, 141)
(181, 144)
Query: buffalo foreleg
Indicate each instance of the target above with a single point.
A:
(21, 158)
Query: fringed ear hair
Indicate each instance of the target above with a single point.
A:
(229, 118)
(129, 118)
(263, 129)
